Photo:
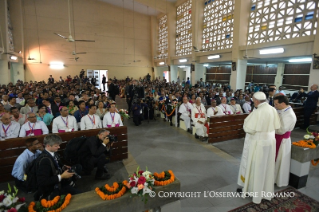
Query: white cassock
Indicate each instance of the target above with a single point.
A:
(257, 165)
(64, 124)
(199, 114)
(186, 110)
(236, 109)
(112, 120)
(288, 120)
(225, 109)
(247, 107)
(89, 122)
(211, 111)
(10, 131)
(33, 129)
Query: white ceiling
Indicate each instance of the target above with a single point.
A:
(138, 7)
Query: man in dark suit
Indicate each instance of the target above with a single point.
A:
(93, 81)
(310, 104)
(51, 179)
(93, 154)
(50, 80)
(52, 108)
(103, 82)
(111, 90)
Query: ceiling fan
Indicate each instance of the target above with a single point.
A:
(75, 58)
(248, 57)
(70, 38)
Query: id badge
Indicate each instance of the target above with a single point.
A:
(141, 111)
(69, 130)
(31, 134)
(113, 124)
(94, 126)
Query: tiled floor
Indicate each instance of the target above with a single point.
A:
(199, 166)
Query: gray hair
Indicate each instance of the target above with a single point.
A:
(200, 99)
(28, 114)
(103, 131)
(52, 139)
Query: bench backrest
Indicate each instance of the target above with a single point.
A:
(10, 149)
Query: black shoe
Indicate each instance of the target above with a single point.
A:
(189, 130)
(196, 136)
(104, 176)
(171, 124)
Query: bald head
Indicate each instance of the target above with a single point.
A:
(314, 87)
(198, 101)
(32, 117)
(5, 119)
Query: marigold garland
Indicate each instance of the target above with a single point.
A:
(315, 163)
(163, 108)
(303, 143)
(108, 193)
(164, 178)
(46, 205)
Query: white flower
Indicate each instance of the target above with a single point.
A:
(15, 199)
(306, 137)
(134, 190)
(147, 174)
(19, 206)
(7, 201)
(146, 190)
(1, 204)
(1, 192)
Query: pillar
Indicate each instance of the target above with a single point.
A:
(280, 74)
(314, 73)
(4, 70)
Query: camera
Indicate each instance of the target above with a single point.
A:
(112, 138)
(72, 170)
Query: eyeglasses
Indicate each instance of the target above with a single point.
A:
(30, 117)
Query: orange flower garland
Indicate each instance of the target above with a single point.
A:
(163, 108)
(49, 203)
(112, 189)
(65, 203)
(315, 163)
(303, 143)
(161, 176)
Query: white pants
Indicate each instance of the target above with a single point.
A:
(187, 121)
(201, 130)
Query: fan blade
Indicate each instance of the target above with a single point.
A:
(85, 40)
(60, 35)
(80, 53)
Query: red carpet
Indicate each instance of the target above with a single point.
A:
(298, 203)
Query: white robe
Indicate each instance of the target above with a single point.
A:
(226, 109)
(211, 111)
(87, 124)
(107, 120)
(236, 109)
(38, 125)
(288, 120)
(257, 166)
(185, 110)
(12, 131)
(68, 123)
(247, 107)
(201, 130)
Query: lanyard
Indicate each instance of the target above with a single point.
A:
(65, 122)
(92, 120)
(224, 106)
(31, 109)
(31, 128)
(199, 110)
(186, 106)
(235, 108)
(112, 117)
(6, 130)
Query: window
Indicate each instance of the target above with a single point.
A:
(10, 34)
(184, 29)
(218, 24)
(162, 38)
(278, 20)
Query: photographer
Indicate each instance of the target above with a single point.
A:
(53, 178)
(138, 105)
(149, 110)
(93, 154)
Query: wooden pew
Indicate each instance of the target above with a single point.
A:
(223, 128)
(299, 111)
(10, 149)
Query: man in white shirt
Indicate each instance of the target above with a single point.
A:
(5, 100)
(91, 121)
(33, 127)
(30, 107)
(214, 110)
(65, 122)
(288, 120)
(235, 107)
(225, 107)
(9, 129)
(112, 118)
(199, 119)
(280, 90)
(12, 103)
(185, 109)
(247, 105)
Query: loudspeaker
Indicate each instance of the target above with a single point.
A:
(152, 69)
(192, 67)
(9, 65)
(169, 68)
(24, 67)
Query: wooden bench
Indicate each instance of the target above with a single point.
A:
(299, 111)
(10, 149)
(223, 128)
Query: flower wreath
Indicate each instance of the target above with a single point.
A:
(164, 178)
(55, 205)
(112, 192)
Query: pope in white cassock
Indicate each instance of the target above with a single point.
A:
(185, 109)
(288, 120)
(214, 110)
(225, 107)
(65, 122)
(199, 119)
(112, 118)
(91, 121)
(257, 166)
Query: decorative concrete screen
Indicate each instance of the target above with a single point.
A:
(218, 24)
(10, 34)
(162, 38)
(281, 19)
(184, 29)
